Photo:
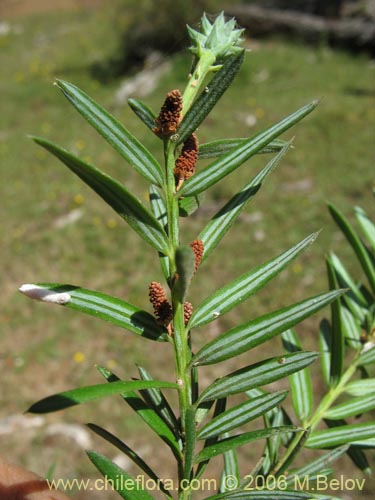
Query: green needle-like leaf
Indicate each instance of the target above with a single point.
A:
(144, 113)
(357, 245)
(300, 382)
(224, 299)
(114, 133)
(159, 210)
(361, 387)
(237, 156)
(91, 392)
(112, 192)
(255, 332)
(234, 442)
(218, 148)
(222, 221)
(367, 226)
(99, 305)
(325, 342)
(256, 375)
(317, 465)
(123, 483)
(189, 441)
(231, 468)
(124, 448)
(146, 413)
(156, 399)
(367, 357)
(240, 414)
(341, 435)
(337, 347)
(351, 407)
(210, 96)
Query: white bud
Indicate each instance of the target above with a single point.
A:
(39, 293)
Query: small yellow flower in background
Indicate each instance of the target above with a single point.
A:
(111, 363)
(259, 112)
(111, 223)
(80, 144)
(297, 268)
(79, 357)
(78, 199)
(19, 77)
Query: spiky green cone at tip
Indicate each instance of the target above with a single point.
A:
(221, 37)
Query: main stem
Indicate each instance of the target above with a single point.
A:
(180, 334)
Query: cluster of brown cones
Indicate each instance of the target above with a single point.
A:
(166, 126)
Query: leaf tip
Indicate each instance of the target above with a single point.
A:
(39, 293)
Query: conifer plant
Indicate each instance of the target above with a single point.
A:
(204, 423)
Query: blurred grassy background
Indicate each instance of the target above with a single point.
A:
(43, 349)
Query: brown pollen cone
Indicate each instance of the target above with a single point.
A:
(198, 249)
(188, 311)
(185, 163)
(170, 115)
(159, 301)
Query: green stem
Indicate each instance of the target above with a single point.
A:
(180, 334)
(315, 419)
(197, 78)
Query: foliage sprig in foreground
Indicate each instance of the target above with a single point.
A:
(206, 425)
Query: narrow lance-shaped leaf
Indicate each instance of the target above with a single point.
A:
(146, 413)
(210, 96)
(240, 414)
(91, 392)
(99, 305)
(124, 448)
(144, 113)
(127, 487)
(341, 435)
(367, 226)
(158, 401)
(356, 455)
(325, 349)
(361, 387)
(220, 147)
(112, 192)
(114, 133)
(237, 156)
(367, 356)
(256, 375)
(159, 211)
(231, 468)
(351, 329)
(236, 292)
(354, 299)
(234, 442)
(337, 347)
(189, 441)
(352, 407)
(220, 407)
(222, 221)
(357, 245)
(255, 332)
(300, 382)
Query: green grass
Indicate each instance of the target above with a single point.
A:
(332, 160)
